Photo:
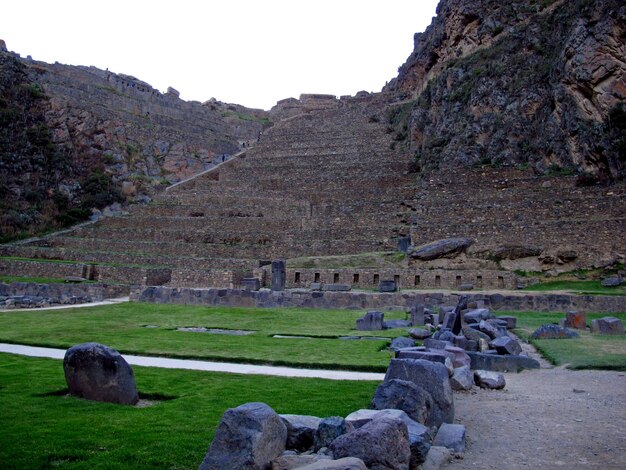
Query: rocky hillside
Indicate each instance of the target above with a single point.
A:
(537, 84)
(74, 139)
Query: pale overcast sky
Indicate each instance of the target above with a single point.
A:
(250, 52)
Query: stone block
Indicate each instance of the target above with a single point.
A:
(432, 377)
(489, 379)
(506, 345)
(251, 283)
(511, 322)
(401, 342)
(381, 443)
(300, 431)
(391, 324)
(499, 363)
(337, 287)
(462, 379)
(329, 429)
(345, 463)
(387, 286)
(403, 395)
(371, 321)
(315, 286)
(451, 436)
(419, 333)
(553, 332)
(607, 326)
(249, 436)
(436, 458)
(417, 315)
(278, 275)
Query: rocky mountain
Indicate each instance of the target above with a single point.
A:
(537, 84)
(74, 139)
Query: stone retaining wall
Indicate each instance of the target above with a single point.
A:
(366, 301)
(97, 292)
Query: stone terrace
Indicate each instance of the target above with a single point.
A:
(319, 183)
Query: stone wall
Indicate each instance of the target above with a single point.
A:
(405, 278)
(97, 292)
(301, 298)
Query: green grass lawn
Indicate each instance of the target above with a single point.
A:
(587, 352)
(123, 327)
(577, 287)
(44, 428)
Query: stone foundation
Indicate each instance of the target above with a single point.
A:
(301, 298)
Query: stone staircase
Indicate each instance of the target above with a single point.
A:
(325, 182)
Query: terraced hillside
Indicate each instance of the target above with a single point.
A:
(320, 183)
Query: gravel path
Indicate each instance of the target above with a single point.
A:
(551, 418)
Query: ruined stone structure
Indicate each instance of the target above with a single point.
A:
(451, 148)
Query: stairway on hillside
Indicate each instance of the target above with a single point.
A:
(322, 183)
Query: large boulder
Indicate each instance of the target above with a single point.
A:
(300, 431)
(607, 326)
(462, 379)
(446, 248)
(96, 372)
(295, 460)
(382, 444)
(513, 252)
(404, 395)
(576, 320)
(432, 377)
(506, 363)
(476, 315)
(474, 335)
(419, 435)
(248, 437)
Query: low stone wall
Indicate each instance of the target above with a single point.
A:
(405, 278)
(96, 292)
(367, 301)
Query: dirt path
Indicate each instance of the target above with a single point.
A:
(551, 418)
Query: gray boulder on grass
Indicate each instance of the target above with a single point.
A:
(451, 436)
(419, 333)
(401, 342)
(432, 377)
(607, 326)
(553, 332)
(371, 321)
(96, 372)
(248, 437)
(613, 281)
(382, 444)
(489, 379)
(300, 431)
(329, 429)
(404, 395)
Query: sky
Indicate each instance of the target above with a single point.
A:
(249, 52)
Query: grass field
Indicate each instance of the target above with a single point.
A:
(123, 327)
(577, 287)
(43, 428)
(587, 352)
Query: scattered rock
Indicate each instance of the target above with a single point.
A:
(474, 335)
(329, 429)
(401, 342)
(476, 315)
(462, 379)
(419, 333)
(432, 377)
(249, 436)
(489, 379)
(499, 363)
(576, 320)
(506, 345)
(390, 324)
(451, 436)
(346, 463)
(459, 356)
(404, 395)
(371, 321)
(553, 332)
(511, 322)
(436, 458)
(613, 281)
(489, 329)
(382, 444)
(96, 372)
(607, 326)
(300, 430)
(446, 248)
(513, 252)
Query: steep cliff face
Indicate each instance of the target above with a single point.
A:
(75, 139)
(536, 83)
